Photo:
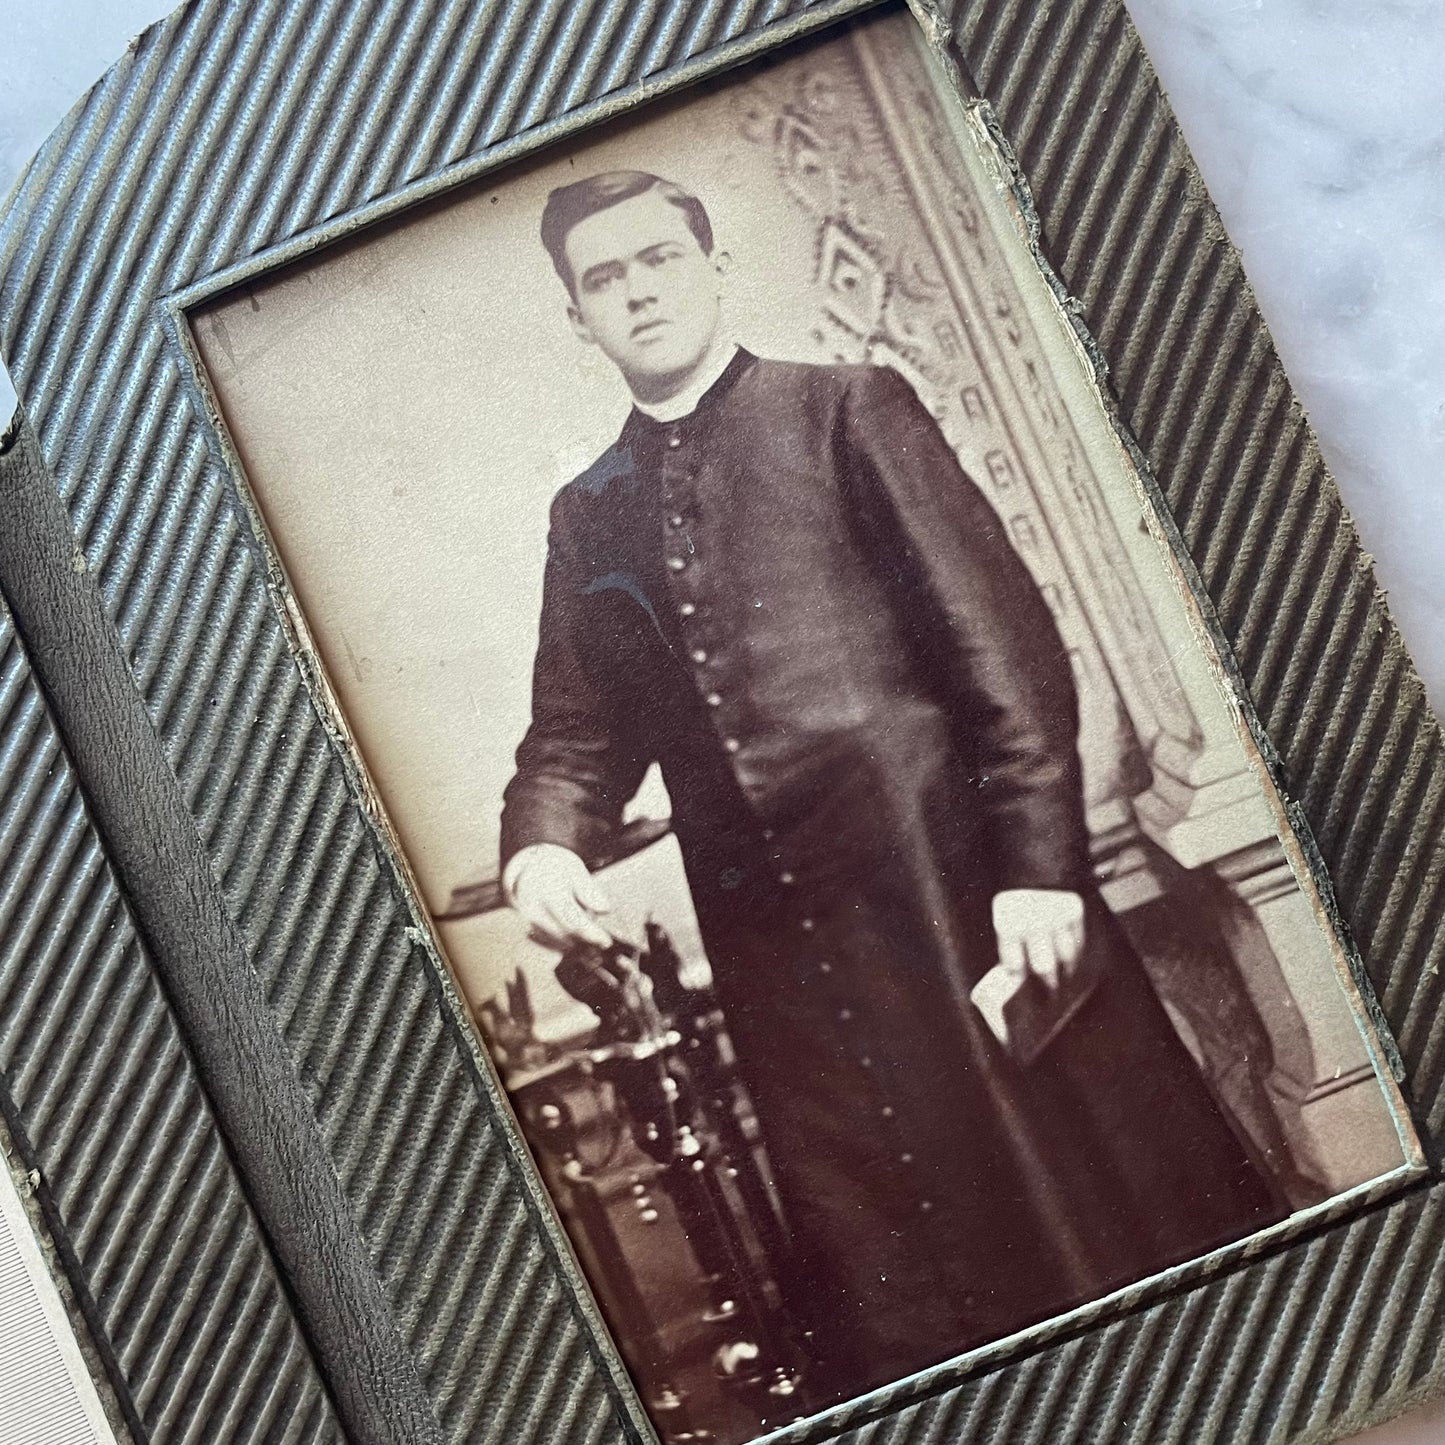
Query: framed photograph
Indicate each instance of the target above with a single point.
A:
(699, 751)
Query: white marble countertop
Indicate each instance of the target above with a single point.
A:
(1318, 126)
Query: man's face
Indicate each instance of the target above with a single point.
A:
(647, 295)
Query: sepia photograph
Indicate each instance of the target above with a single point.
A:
(804, 744)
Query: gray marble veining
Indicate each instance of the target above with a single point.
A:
(1318, 127)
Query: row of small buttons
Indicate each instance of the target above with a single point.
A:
(886, 1111)
(678, 563)
(687, 609)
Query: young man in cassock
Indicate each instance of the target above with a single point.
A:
(779, 585)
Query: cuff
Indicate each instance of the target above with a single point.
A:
(517, 865)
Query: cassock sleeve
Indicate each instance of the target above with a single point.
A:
(981, 627)
(576, 766)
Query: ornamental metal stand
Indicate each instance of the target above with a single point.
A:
(655, 1073)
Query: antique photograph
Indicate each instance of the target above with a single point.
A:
(804, 745)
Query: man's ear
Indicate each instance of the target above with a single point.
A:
(580, 328)
(722, 265)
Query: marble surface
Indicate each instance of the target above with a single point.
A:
(1318, 126)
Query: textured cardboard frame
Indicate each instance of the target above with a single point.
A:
(185, 1056)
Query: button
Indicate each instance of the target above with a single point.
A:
(887, 1111)
(714, 699)
(674, 440)
(698, 655)
(731, 744)
(825, 967)
(905, 1159)
(865, 1063)
(674, 521)
(785, 878)
(677, 563)
(925, 1205)
(768, 835)
(807, 925)
(688, 608)
(845, 1014)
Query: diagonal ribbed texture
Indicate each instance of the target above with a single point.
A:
(169, 1262)
(234, 127)
(1194, 1368)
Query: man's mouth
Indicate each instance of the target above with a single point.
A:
(649, 328)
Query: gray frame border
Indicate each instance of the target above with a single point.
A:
(1267, 532)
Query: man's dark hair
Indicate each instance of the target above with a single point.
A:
(568, 205)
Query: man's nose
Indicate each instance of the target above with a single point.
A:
(640, 290)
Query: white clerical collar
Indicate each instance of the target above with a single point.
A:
(685, 401)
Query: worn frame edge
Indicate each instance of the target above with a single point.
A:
(700, 67)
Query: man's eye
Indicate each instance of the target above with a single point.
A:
(658, 258)
(600, 280)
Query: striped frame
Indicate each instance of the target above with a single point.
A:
(189, 891)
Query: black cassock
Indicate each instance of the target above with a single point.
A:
(795, 601)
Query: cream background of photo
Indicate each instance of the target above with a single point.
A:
(1284, 103)
(396, 406)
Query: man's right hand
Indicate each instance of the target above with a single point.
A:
(551, 888)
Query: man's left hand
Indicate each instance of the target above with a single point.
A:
(1041, 930)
